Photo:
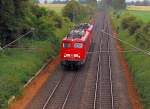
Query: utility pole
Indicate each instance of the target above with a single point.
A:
(73, 15)
(46, 2)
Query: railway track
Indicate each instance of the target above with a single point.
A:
(103, 93)
(90, 87)
(48, 104)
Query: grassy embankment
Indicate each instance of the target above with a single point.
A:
(139, 63)
(18, 65)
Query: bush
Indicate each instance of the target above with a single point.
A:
(131, 23)
(126, 21)
(143, 36)
(134, 26)
(146, 28)
(43, 28)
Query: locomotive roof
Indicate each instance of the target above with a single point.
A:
(78, 33)
(76, 38)
(82, 26)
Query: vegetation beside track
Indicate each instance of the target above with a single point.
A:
(19, 64)
(138, 62)
(143, 15)
(23, 59)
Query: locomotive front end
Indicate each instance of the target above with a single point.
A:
(72, 53)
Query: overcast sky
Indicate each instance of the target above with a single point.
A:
(126, 0)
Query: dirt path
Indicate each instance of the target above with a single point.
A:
(31, 90)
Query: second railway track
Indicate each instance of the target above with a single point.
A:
(102, 92)
(54, 101)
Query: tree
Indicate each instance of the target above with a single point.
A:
(13, 14)
(107, 2)
(71, 10)
(77, 12)
(146, 2)
(45, 1)
(36, 1)
(6, 18)
(118, 4)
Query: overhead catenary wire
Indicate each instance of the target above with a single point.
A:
(21, 36)
(112, 51)
(139, 49)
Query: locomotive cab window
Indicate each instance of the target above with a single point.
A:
(66, 45)
(78, 45)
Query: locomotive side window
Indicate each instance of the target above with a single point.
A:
(78, 45)
(66, 45)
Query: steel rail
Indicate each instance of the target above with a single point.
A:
(110, 71)
(98, 73)
(55, 89)
(97, 79)
(53, 92)
(98, 76)
(69, 91)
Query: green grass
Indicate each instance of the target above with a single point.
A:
(144, 15)
(17, 66)
(139, 64)
(56, 7)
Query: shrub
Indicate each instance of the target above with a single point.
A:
(146, 28)
(43, 28)
(143, 36)
(134, 25)
(126, 21)
(131, 23)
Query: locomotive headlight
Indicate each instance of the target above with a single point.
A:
(66, 55)
(76, 55)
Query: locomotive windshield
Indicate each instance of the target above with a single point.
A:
(66, 45)
(78, 45)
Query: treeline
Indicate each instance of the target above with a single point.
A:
(137, 29)
(116, 4)
(20, 16)
(64, 1)
(139, 3)
(77, 12)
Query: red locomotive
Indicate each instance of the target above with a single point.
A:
(76, 44)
